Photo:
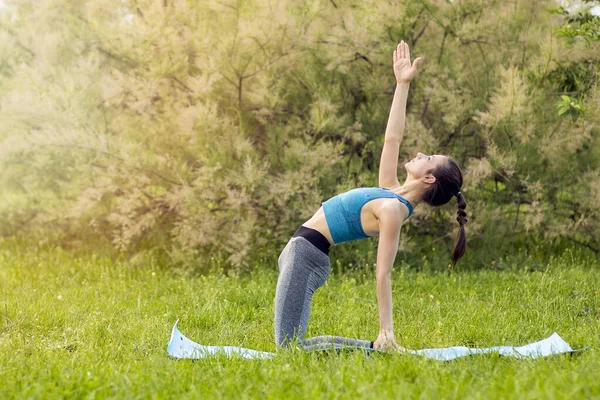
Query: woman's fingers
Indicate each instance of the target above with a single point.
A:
(417, 61)
(402, 51)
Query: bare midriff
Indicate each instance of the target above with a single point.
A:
(368, 219)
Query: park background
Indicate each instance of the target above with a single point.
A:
(161, 152)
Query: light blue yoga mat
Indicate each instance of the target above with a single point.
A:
(182, 347)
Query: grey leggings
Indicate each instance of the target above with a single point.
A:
(303, 268)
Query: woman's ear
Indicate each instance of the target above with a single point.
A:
(430, 179)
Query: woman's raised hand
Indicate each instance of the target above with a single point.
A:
(403, 69)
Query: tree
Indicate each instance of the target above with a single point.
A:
(199, 129)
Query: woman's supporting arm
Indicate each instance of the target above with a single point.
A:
(390, 221)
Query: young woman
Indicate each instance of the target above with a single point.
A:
(361, 213)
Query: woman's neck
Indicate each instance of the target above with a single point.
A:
(411, 191)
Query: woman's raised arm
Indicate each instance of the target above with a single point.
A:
(404, 72)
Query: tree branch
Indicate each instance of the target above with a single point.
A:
(443, 43)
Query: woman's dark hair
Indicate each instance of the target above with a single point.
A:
(448, 181)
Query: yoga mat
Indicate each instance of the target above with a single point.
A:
(182, 347)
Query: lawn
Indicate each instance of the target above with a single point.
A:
(77, 326)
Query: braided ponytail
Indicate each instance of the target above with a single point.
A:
(460, 244)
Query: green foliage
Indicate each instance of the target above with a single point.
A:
(194, 131)
(587, 25)
(569, 106)
(76, 326)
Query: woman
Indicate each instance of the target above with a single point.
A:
(360, 213)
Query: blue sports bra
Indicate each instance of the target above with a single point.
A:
(342, 211)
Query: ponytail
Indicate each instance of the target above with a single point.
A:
(460, 244)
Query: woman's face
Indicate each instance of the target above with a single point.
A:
(417, 167)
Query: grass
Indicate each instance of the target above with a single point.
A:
(75, 326)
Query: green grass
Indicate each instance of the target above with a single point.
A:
(80, 327)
